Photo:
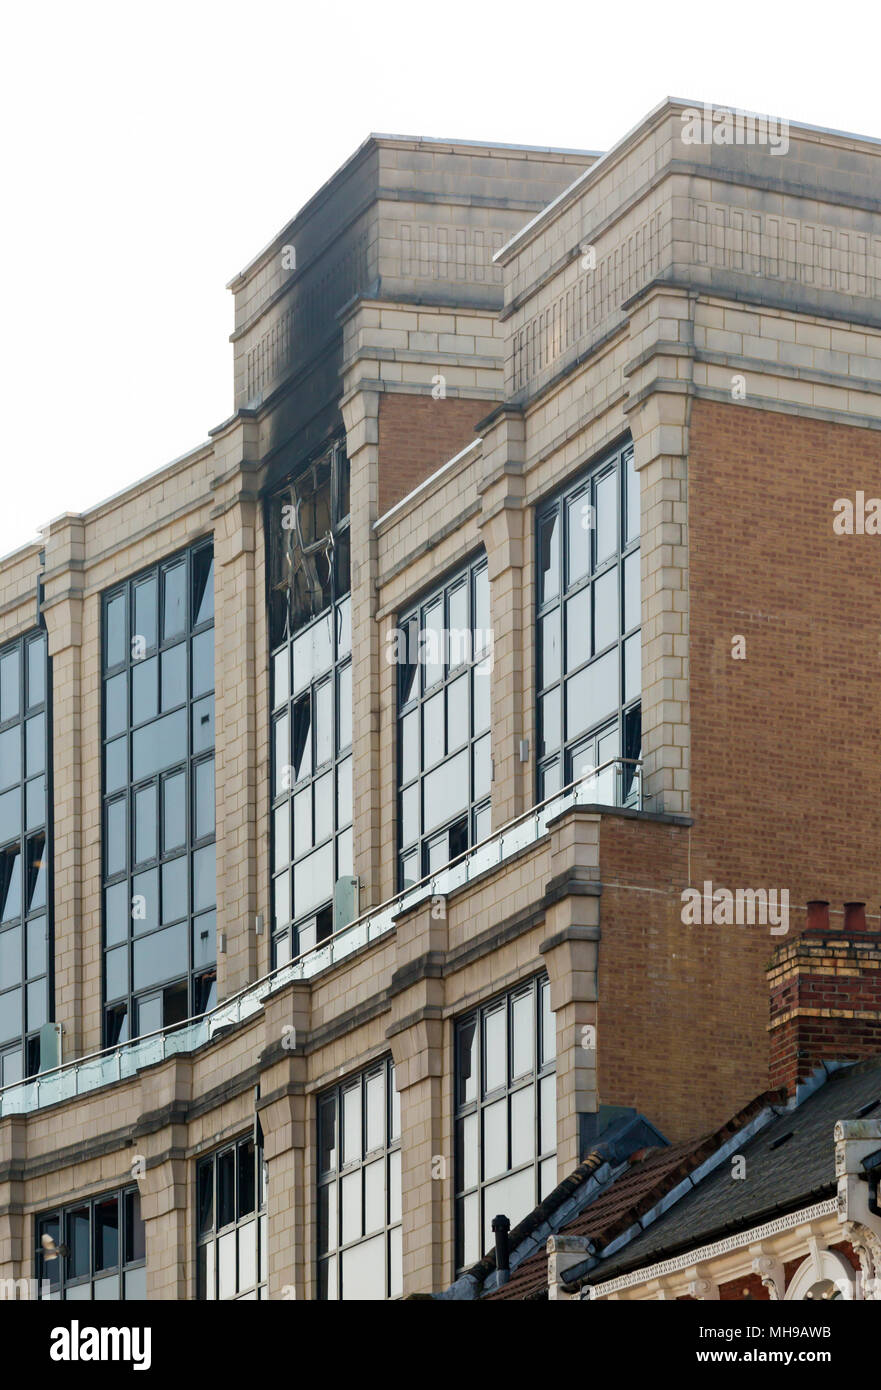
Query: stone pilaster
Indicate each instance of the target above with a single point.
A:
(570, 950)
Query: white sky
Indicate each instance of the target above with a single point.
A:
(149, 151)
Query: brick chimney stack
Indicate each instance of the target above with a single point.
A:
(825, 990)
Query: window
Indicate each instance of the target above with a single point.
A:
(232, 1253)
(160, 927)
(105, 1249)
(25, 897)
(506, 1114)
(588, 638)
(444, 653)
(311, 645)
(359, 1188)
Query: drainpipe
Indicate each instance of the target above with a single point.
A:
(501, 1227)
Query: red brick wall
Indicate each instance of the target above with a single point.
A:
(417, 435)
(785, 759)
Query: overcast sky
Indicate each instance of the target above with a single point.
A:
(149, 151)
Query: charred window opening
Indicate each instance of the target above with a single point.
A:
(311, 646)
(309, 544)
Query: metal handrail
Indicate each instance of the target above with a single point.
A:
(219, 1015)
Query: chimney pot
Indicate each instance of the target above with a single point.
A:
(854, 916)
(818, 915)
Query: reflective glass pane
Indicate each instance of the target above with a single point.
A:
(204, 878)
(494, 1065)
(374, 1087)
(363, 1270)
(203, 662)
(204, 810)
(174, 812)
(482, 768)
(10, 884)
(458, 722)
(174, 603)
(579, 526)
(203, 586)
(549, 722)
(36, 656)
(549, 557)
(548, 1026)
(631, 591)
(605, 610)
(226, 1178)
(482, 693)
(432, 644)
(115, 769)
(632, 667)
(114, 635)
(107, 1249)
(344, 708)
(446, 790)
(35, 803)
(116, 704)
(606, 516)
(549, 648)
(344, 792)
(10, 814)
(145, 824)
(433, 729)
(592, 693)
(323, 790)
(548, 1115)
(226, 1265)
(203, 725)
(117, 913)
(173, 664)
(482, 634)
(174, 889)
(522, 1034)
(351, 1123)
(10, 1014)
(495, 1138)
(350, 1195)
(578, 645)
(145, 901)
(144, 622)
(10, 957)
(467, 1152)
(144, 693)
(522, 1126)
(374, 1196)
(632, 489)
(160, 956)
(160, 745)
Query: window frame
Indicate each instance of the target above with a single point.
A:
(555, 767)
(294, 931)
(544, 1065)
(259, 1218)
(26, 1042)
(199, 978)
(475, 817)
(334, 1177)
(123, 1267)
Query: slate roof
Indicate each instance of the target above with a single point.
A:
(651, 1174)
(789, 1164)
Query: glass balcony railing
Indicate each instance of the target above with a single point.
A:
(618, 782)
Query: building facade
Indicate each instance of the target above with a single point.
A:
(355, 764)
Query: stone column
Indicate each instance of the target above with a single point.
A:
(571, 955)
(661, 324)
(241, 704)
(417, 1036)
(373, 785)
(507, 536)
(76, 799)
(287, 1119)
